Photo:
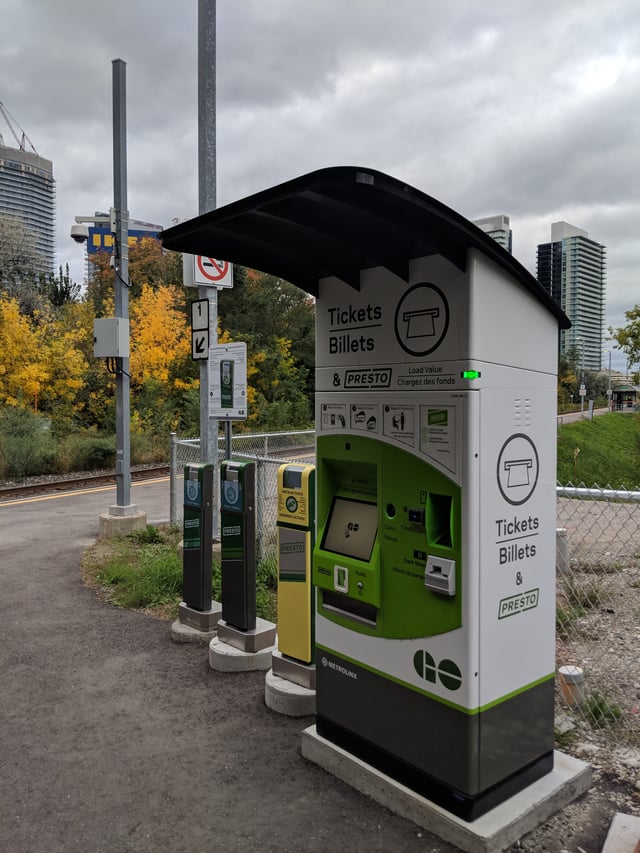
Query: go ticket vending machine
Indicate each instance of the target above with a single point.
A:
(434, 560)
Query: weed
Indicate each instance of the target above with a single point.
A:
(565, 740)
(582, 594)
(566, 618)
(600, 712)
(148, 535)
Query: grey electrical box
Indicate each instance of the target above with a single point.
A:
(111, 337)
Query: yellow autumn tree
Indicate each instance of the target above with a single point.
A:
(23, 371)
(160, 356)
(160, 337)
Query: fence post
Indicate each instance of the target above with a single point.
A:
(563, 558)
(259, 509)
(173, 479)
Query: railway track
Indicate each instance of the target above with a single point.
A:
(73, 483)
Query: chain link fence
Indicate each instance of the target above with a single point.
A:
(597, 582)
(598, 612)
(268, 451)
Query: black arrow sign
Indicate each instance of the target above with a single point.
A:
(200, 345)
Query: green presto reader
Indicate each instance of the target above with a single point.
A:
(434, 559)
(197, 536)
(238, 544)
(296, 516)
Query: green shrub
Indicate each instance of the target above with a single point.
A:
(87, 451)
(27, 448)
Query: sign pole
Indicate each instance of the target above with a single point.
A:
(207, 202)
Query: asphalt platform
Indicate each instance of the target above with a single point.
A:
(114, 738)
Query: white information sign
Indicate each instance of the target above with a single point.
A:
(227, 368)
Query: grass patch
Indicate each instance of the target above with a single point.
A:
(567, 617)
(609, 451)
(143, 571)
(582, 593)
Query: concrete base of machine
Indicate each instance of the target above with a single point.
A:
(196, 626)
(286, 697)
(494, 831)
(226, 658)
(121, 524)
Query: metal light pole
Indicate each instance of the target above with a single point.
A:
(118, 222)
(121, 289)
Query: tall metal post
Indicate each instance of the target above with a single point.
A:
(121, 291)
(207, 202)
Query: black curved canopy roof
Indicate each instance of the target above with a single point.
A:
(336, 222)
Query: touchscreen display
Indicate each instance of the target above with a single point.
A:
(351, 528)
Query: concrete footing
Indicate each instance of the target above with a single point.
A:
(196, 626)
(286, 697)
(623, 835)
(495, 831)
(121, 525)
(234, 650)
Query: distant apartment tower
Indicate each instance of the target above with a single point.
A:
(572, 269)
(28, 192)
(498, 228)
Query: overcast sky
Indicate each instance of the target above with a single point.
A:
(529, 108)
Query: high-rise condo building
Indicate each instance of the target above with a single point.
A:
(28, 192)
(498, 228)
(572, 268)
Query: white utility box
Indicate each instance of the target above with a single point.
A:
(111, 337)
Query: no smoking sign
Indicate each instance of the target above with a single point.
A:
(201, 271)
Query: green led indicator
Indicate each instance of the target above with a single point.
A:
(471, 374)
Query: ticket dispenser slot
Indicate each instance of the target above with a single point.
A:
(238, 544)
(295, 526)
(197, 536)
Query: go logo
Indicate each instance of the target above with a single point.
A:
(447, 671)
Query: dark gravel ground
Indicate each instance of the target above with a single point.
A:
(112, 738)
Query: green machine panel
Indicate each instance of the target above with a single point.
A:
(388, 556)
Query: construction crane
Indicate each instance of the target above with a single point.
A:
(11, 122)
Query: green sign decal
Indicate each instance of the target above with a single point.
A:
(515, 604)
(438, 417)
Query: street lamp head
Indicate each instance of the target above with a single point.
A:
(79, 233)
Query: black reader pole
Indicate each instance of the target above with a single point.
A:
(238, 543)
(197, 536)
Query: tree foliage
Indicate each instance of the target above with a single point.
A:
(277, 320)
(48, 366)
(19, 261)
(628, 337)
